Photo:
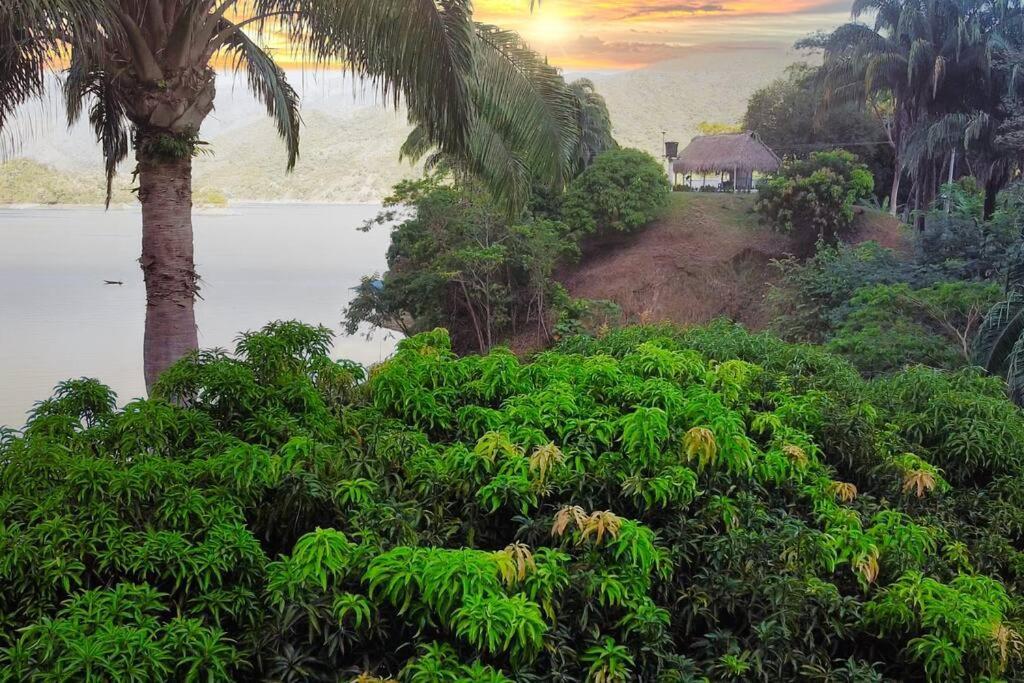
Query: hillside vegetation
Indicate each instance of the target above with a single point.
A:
(653, 505)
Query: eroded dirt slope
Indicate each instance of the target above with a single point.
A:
(707, 258)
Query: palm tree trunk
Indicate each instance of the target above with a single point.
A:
(168, 267)
(894, 195)
(991, 195)
(896, 137)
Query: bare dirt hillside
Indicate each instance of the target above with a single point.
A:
(707, 258)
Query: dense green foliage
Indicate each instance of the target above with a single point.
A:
(652, 505)
(883, 310)
(941, 75)
(623, 190)
(813, 295)
(891, 326)
(458, 262)
(879, 310)
(787, 114)
(958, 244)
(999, 345)
(812, 199)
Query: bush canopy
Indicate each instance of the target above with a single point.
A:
(812, 199)
(655, 504)
(624, 189)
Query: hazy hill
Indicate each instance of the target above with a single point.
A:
(708, 84)
(350, 141)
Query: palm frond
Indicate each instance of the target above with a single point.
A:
(526, 122)
(85, 82)
(593, 123)
(416, 51)
(32, 33)
(526, 101)
(920, 61)
(502, 169)
(417, 144)
(268, 82)
(998, 333)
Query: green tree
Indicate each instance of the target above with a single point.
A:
(458, 261)
(931, 69)
(788, 116)
(889, 327)
(622, 190)
(812, 199)
(145, 72)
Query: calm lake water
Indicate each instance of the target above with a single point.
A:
(257, 262)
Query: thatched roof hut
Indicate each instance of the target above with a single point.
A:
(740, 153)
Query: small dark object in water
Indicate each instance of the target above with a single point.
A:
(112, 282)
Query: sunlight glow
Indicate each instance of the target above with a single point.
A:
(546, 28)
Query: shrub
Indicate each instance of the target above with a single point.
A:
(812, 296)
(654, 504)
(812, 199)
(457, 261)
(624, 189)
(892, 326)
(958, 244)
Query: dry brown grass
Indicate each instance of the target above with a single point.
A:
(707, 258)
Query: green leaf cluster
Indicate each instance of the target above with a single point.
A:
(813, 199)
(653, 504)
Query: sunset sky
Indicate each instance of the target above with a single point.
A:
(618, 34)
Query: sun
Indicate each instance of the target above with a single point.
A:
(547, 28)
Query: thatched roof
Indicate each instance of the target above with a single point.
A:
(743, 152)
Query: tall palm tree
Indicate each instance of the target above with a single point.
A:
(594, 121)
(933, 60)
(870, 64)
(145, 69)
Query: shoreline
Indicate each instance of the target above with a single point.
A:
(200, 208)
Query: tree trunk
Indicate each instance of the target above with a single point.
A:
(168, 267)
(894, 195)
(895, 136)
(991, 193)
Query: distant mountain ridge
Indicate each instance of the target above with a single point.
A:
(350, 140)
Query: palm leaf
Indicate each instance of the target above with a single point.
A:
(998, 333)
(32, 32)
(84, 82)
(267, 82)
(416, 51)
(525, 126)
(526, 101)
(592, 121)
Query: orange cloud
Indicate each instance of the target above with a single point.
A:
(602, 34)
(619, 34)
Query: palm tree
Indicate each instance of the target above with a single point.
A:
(145, 70)
(870, 64)
(936, 62)
(594, 122)
(982, 47)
